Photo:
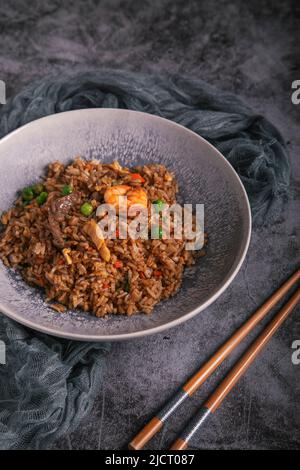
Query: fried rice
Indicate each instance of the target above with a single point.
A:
(47, 239)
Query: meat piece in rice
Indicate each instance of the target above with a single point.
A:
(52, 250)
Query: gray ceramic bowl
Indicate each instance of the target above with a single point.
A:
(133, 138)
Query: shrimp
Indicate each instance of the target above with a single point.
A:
(137, 196)
(134, 195)
(112, 194)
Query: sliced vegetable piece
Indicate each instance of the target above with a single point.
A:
(66, 190)
(118, 264)
(42, 198)
(127, 285)
(66, 253)
(27, 194)
(105, 253)
(92, 229)
(157, 273)
(86, 209)
(137, 177)
(38, 188)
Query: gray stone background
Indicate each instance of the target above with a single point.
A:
(250, 48)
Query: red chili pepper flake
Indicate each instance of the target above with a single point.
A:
(117, 233)
(105, 285)
(142, 275)
(118, 264)
(137, 177)
(157, 273)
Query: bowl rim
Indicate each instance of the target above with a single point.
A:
(157, 329)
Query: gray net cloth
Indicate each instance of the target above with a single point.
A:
(48, 385)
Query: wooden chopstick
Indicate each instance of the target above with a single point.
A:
(156, 423)
(217, 397)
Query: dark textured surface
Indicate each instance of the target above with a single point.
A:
(250, 48)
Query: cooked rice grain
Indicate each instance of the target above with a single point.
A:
(78, 277)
